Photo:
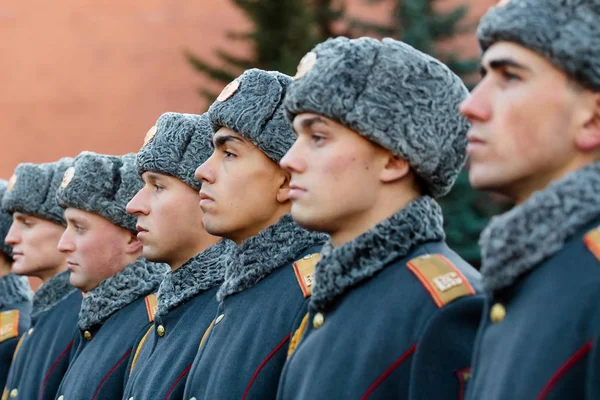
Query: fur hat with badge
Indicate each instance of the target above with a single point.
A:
(252, 106)
(103, 185)
(566, 32)
(5, 222)
(176, 146)
(393, 95)
(32, 190)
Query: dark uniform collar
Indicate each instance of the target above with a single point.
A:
(343, 267)
(277, 246)
(14, 289)
(517, 241)
(202, 272)
(138, 279)
(51, 292)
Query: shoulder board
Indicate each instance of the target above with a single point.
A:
(441, 278)
(9, 324)
(592, 241)
(151, 303)
(304, 269)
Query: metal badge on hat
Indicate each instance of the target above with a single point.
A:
(228, 91)
(306, 64)
(11, 182)
(150, 135)
(67, 177)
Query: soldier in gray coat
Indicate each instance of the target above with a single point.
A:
(394, 311)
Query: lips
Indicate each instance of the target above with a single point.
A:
(204, 196)
(16, 254)
(296, 191)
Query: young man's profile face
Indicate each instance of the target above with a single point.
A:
(34, 242)
(94, 246)
(525, 114)
(335, 174)
(241, 187)
(169, 220)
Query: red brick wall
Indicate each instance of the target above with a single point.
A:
(86, 75)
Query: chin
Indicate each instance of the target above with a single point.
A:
(309, 222)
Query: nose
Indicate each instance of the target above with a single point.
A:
(65, 244)
(14, 235)
(293, 161)
(476, 107)
(205, 173)
(138, 205)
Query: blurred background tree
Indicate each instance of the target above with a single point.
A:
(285, 30)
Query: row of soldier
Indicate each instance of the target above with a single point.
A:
(287, 244)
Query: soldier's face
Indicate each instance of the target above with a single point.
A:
(34, 242)
(527, 120)
(335, 175)
(242, 189)
(96, 249)
(169, 220)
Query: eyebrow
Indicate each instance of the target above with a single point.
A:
(221, 140)
(308, 123)
(503, 63)
(151, 176)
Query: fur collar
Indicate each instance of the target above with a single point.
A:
(51, 293)
(257, 257)
(138, 279)
(517, 241)
(202, 272)
(14, 289)
(343, 267)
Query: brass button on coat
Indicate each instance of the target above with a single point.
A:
(318, 320)
(497, 313)
(160, 330)
(87, 335)
(61, 397)
(219, 318)
(14, 393)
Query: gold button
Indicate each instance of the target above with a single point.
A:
(219, 318)
(318, 320)
(61, 397)
(131, 398)
(87, 335)
(30, 331)
(160, 330)
(192, 398)
(497, 313)
(14, 393)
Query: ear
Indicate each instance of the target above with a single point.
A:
(133, 244)
(395, 169)
(588, 138)
(283, 192)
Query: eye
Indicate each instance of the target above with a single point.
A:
(317, 138)
(79, 229)
(229, 154)
(508, 76)
(27, 223)
(157, 187)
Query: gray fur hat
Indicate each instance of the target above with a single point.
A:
(5, 222)
(103, 185)
(176, 146)
(32, 190)
(566, 32)
(252, 106)
(393, 95)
